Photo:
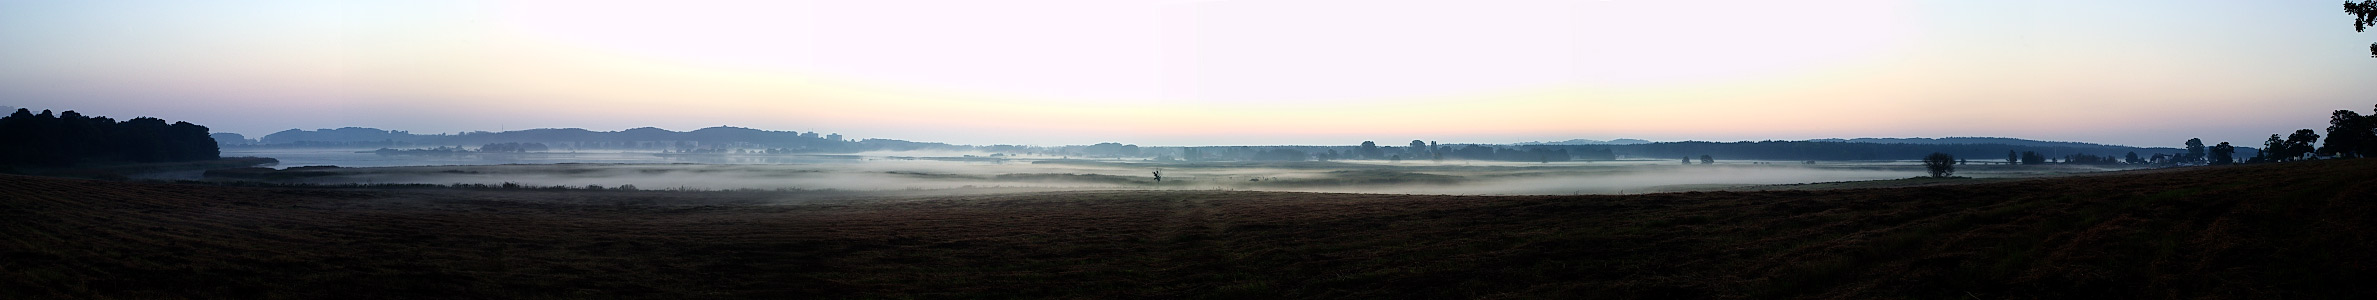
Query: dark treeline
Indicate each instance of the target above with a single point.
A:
(574, 138)
(69, 138)
(1831, 150)
(2349, 135)
(1863, 149)
(1416, 151)
(706, 140)
(226, 138)
(2040, 152)
(735, 140)
(1827, 150)
(488, 148)
(1965, 140)
(513, 147)
(1528, 153)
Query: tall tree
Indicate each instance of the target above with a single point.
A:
(2223, 154)
(2300, 143)
(2195, 150)
(2274, 149)
(2349, 135)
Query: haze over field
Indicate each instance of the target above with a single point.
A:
(893, 174)
(1187, 149)
(1183, 72)
(1602, 93)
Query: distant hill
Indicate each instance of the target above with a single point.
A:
(1969, 148)
(713, 134)
(1589, 142)
(1985, 149)
(1813, 150)
(1927, 141)
(575, 138)
(1966, 140)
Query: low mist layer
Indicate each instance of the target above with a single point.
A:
(862, 173)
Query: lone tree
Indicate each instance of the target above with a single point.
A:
(2195, 150)
(2349, 135)
(1704, 159)
(1940, 164)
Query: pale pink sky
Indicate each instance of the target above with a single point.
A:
(1180, 72)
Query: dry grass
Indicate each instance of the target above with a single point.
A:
(2297, 230)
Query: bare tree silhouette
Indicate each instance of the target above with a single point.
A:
(1939, 164)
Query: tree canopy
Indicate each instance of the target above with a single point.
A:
(2350, 135)
(2223, 154)
(1939, 164)
(2195, 150)
(2364, 14)
(69, 138)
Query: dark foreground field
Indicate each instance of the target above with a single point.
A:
(2297, 230)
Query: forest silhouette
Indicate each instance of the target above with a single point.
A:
(70, 138)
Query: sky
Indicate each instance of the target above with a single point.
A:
(1209, 72)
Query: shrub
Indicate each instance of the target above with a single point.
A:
(1940, 164)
